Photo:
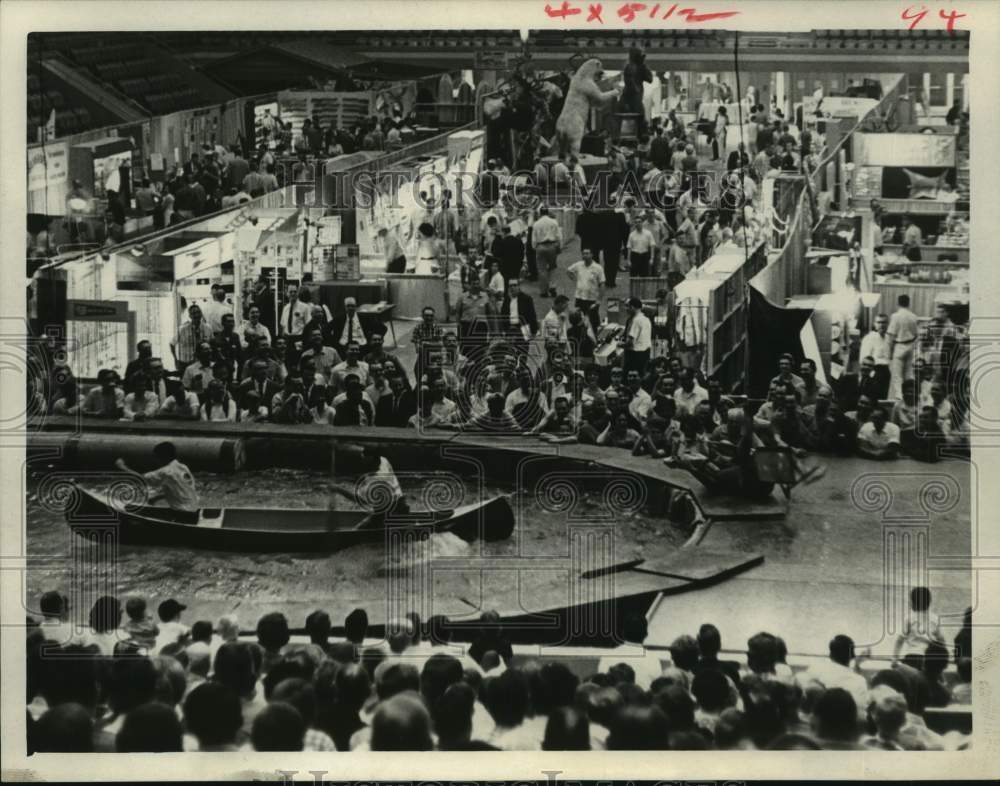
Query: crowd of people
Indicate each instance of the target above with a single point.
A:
(126, 681)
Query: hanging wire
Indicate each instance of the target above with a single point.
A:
(740, 150)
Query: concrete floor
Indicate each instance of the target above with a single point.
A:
(836, 565)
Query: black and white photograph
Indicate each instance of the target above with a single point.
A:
(609, 378)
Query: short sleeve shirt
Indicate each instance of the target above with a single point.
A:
(177, 485)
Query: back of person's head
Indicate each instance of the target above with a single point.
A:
(171, 680)
(709, 640)
(677, 705)
(640, 729)
(835, 716)
(762, 653)
(72, 675)
(133, 682)
(135, 607)
(402, 724)
(213, 713)
(622, 673)
(763, 709)
(688, 740)
(558, 687)
(285, 669)
(318, 626)
(66, 728)
(399, 634)
(343, 652)
(567, 729)
(920, 599)
(507, 698)
(235, 666)
(300, 694)
(438, 674)
(895, 680)
(202, 631)
(150, 728)
(272, 631)
(711, 690)
(370, 658)
(278, 727)
(964, 668)
(52, 604)
(729, 729)
(888, 711)
(684, 652)
(603, 705)
(105, 614)
(452, 715)
(841, 649)
(396, 678)
(353, 686)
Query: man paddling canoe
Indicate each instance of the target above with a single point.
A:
(376, 487)
(171, 482)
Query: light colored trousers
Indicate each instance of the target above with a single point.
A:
(901, 368)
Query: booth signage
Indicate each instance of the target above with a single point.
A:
(97, 310)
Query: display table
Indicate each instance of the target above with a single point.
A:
(930, 253)
(923, 297)
(332, 293)
(412, 293)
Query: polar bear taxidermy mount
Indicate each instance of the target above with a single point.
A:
(583, 95)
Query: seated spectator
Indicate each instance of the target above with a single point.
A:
(300, 694)
(140, 626)
(507, 699)
(452, 715)
(107, 400)
(639, 728)
(709, 646)
(835, 721)
(878, 439)
(401, 724)
(837, 672)
(961, 692)
(150, 728)
(567, 729)
(619, 433)
(935, 661)
(924, 443)
(353, 687)
(712, 691)
(921, 628)
(888, 712)
(105, 618)
(278, 727)
(66, 728)
(212, 713)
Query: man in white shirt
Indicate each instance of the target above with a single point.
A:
(295, 314)
(561, 176)
(215, 308)
(837, 673)
(546, 240)
(590, 280)
(689, 394)
(556, 323)
(876, 344)
(352, 365)
(641, 402)
(638, 337)
(903, 331)
(172, 482)
(878, 439)
(253, 328)
(197, 376)
(640, 250)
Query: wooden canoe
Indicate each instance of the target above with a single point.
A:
(279, 529)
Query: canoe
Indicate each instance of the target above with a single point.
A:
(279, 529)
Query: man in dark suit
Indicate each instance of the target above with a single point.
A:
(518, 321)
(510, 249)
(258, 381)
(396, 407)
(738, 159)
(709, 644)
(347, 327)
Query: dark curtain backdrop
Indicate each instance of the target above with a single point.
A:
(771, 332)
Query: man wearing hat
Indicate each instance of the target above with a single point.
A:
(171, 627)
(347, 327)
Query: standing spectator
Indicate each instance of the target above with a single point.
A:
(590, 280)
(520, 323)
(902, 331)
(638, 337)
(877, 344)
(547, 240)
(190, 335)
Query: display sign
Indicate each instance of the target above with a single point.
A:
(838, 106)
(102, 334)
(907, 150)
(328, 230)
(47, 166)
(347, 262)
(491, 59)
(868, 182)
